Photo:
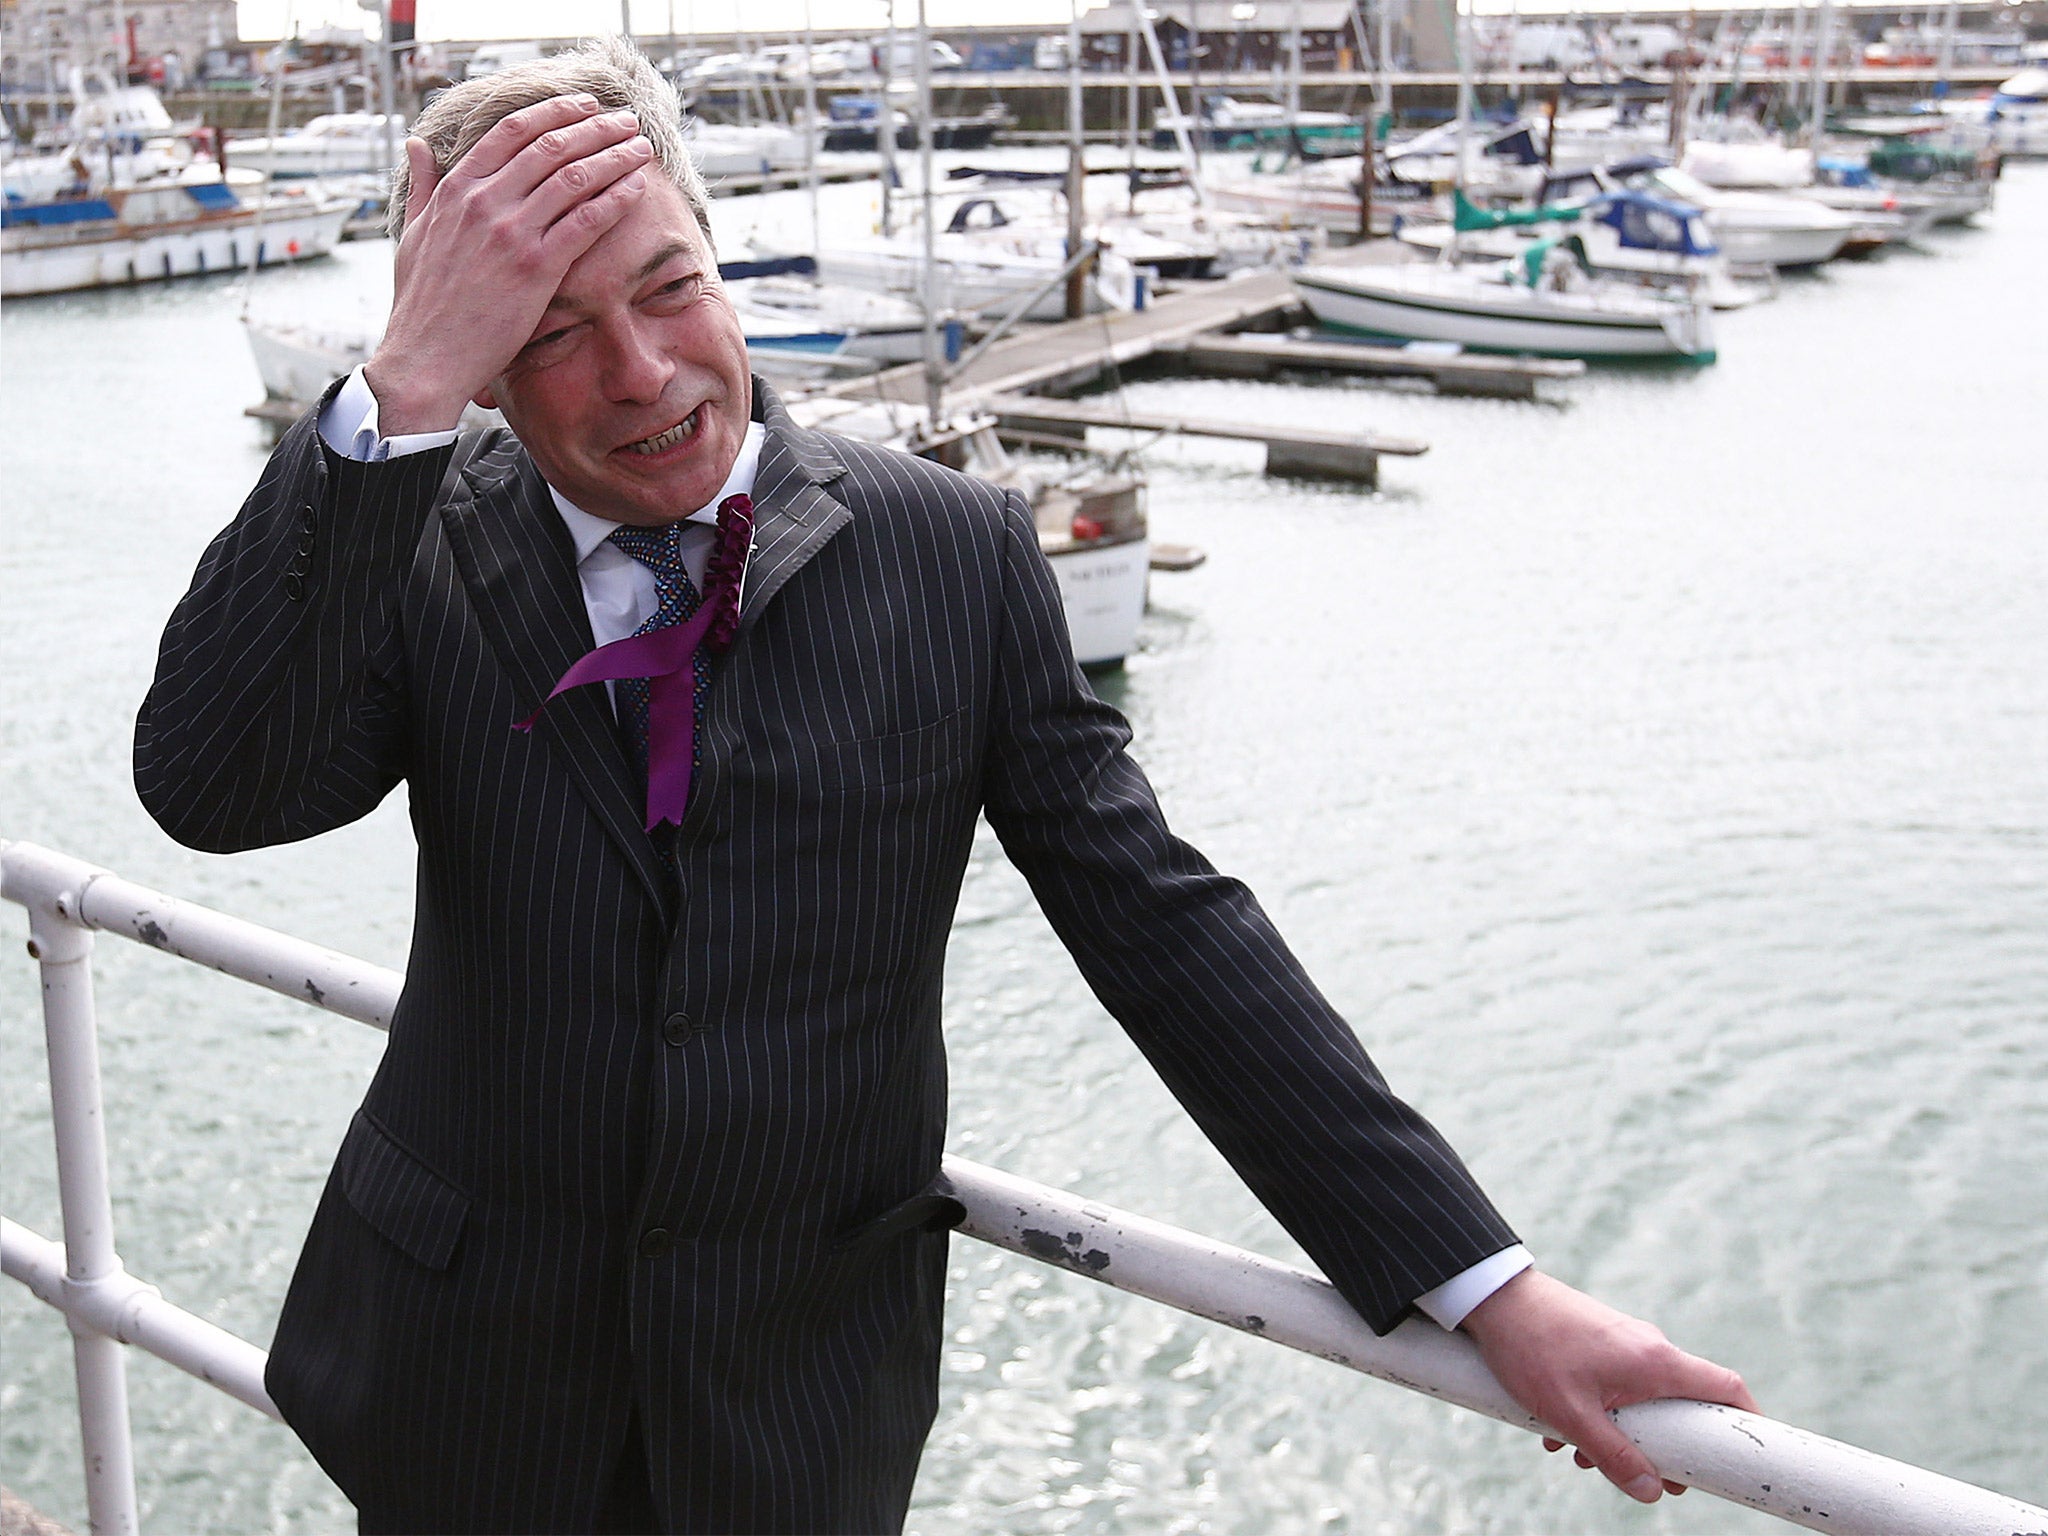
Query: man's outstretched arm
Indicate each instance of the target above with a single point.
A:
(1569, 1359)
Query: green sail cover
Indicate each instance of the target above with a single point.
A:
(1465, 217)
(1532, 258)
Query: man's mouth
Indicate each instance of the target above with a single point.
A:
(661, 441)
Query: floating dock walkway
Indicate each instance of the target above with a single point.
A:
(1289, 450)
(1225, 329)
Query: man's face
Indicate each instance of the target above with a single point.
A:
(633, 395)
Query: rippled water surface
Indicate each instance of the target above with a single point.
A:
(1658, 779)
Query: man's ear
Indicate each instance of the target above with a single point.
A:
(485, 398)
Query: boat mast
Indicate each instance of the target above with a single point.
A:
(934, 365)
(1822, 47)
(1132, 98)
(1461, 40)
(384, 93)
(1294, 69)
(1077, 170)
(1384, 14)
(1188, 157)
(263, 192)
(1947, 58)
(885, 118)
(811, 128)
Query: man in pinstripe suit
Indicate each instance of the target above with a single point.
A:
(639, 1226)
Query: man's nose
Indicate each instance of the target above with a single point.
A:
(637, 369)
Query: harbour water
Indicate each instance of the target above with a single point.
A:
(1658, 779)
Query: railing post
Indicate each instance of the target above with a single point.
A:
(64, 950)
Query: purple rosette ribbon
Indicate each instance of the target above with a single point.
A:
(666, 658)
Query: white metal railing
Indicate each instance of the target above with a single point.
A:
(1775, 1468)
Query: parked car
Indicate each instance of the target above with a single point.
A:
(492, 57)
(735, 69)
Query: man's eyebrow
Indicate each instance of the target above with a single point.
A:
(648, 268)
(660, 259)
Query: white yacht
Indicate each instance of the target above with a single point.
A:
(335, 144)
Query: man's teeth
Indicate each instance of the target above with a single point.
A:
(668, 439)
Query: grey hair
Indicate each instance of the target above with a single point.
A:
(609, 68)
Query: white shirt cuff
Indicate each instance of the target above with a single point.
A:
(1450, 1303)
(349, 427)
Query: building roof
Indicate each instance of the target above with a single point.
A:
(1216, 16)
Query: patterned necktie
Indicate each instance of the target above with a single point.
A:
(660, 707)
(661, 551)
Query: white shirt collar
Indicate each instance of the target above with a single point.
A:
(589, 531)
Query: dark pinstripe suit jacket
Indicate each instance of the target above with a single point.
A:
(670, 1139)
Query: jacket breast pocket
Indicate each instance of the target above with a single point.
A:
(399, 1195)
(875, 762)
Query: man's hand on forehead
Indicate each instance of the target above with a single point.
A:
(486, 244)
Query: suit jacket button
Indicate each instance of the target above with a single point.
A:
(655, 1242)
(676, 1028)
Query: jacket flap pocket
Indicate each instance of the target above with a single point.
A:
(875, 761)
(399, 1195)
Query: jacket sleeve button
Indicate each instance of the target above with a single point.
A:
(655, 1242)
(676, 1028)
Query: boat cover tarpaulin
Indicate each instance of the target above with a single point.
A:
(72, 210)
(1646, 223)
(1465, 217)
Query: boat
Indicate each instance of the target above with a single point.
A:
(156, 230)
(1091, 519)
(117, 136)
(1226, 120)
(1320, 195)
(852, 124)
(1882, 216)
(850, 326)
(1752, 228)
(985, 273)
(1748, 164)
(333, 144)
(1623, 234)
(1155, 219)
(744, 149)
(2015, 116)
(1546, 302)
(1960, 180)
(297, 362)
(1323, 191)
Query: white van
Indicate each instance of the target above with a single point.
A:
(903, 58)
(1642, 44)
(1550, 45)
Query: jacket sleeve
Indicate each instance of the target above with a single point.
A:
(277, 710)
(1189, 964)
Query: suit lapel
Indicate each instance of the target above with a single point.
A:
(516, 557)
(793, 516)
